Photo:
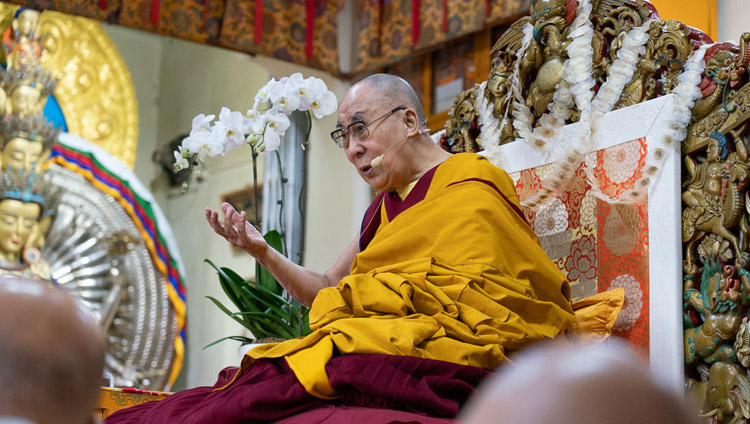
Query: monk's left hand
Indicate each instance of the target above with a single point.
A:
(237, 230)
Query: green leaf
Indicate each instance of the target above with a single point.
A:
(271, 321)
(230, 287)
(267, 297)
(241, 339)
(262, 276)
(247, 323)
(273, 238)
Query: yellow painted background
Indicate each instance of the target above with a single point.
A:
(701, 14)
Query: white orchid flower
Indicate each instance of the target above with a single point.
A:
(285, 96)
(205, 142)
(218, 137)
(326, 104)
(265, 92)
(271, 140)
(297, 78)
(234, 123)
(254, 123)
(277, 121)
(180, 161)
(312, 89)
(202, 123)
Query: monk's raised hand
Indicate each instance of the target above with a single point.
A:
(236, 230)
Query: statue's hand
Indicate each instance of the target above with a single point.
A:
(236, 230)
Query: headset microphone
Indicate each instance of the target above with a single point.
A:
(378, 161)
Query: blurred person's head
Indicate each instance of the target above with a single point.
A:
(51, 354)
(581, 384)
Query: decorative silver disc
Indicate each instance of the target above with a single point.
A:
(96, 252)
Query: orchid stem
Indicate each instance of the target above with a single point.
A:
(255, 185)
(282, 227)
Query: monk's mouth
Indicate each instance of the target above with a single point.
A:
(366, 169)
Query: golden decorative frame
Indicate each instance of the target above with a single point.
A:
(95, 92)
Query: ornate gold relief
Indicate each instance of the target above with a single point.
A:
(95, 91)
(526, 67)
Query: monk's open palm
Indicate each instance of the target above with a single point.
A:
(236, 230)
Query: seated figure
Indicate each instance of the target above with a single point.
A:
(23, 197)
(445, 279)
(27, 136)
(27, 87)
(26, 142)
(21, 42)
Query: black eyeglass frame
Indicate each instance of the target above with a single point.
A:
(343, 133)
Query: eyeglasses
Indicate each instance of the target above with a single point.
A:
(357, 129)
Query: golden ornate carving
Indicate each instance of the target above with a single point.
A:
(95, 91)
(715, 196)
(715, 193)
(461, 130)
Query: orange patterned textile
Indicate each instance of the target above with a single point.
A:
(599, 246)
(385, 27)
(194, 20)
(102, 10)
(302, 31)
(284, 26)
(226, 23)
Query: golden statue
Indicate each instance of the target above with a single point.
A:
(26, 145)
(714, 195)
(26, 142)
(27, 87)
(23, 198)
(21, 42)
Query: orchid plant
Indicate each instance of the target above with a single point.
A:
(261, 127)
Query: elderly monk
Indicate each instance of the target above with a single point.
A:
(51, 355)
(446, 274)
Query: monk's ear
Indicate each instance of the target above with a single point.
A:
(412, 121)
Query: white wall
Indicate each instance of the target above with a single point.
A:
(734, 19)
(142, 54)
(175, 80)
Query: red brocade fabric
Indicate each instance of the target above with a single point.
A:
(374, 388)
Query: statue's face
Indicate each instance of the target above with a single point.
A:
(496, 84)
(20, 153)
(17, 220)
(713, 152)
(24, 100)
(26, 22)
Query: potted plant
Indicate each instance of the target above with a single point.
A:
(263, 306)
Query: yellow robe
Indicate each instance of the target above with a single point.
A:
(458, 277)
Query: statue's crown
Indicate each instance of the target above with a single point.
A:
(27, 187)
(31, 127)
(32, 75)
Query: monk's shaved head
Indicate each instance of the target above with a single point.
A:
(398, 90)
(51, 354)
(580, 384)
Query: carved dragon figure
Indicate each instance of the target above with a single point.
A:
(723, 291)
